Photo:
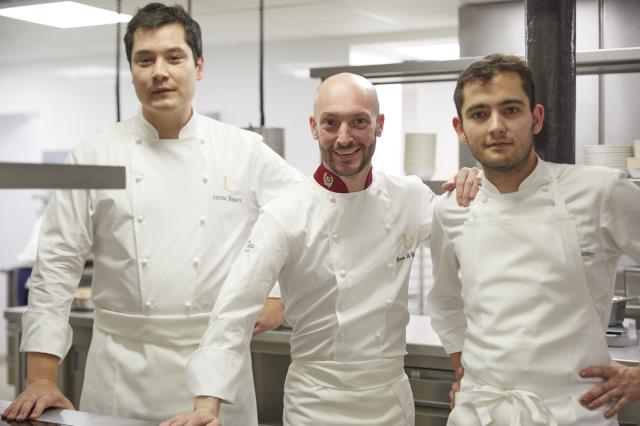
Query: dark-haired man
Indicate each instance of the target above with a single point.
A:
(523, 277)
(161, 249)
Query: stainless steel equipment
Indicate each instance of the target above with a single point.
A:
(273, 136)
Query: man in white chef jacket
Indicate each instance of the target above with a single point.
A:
(341, 246)
(524, 276)
(161, 248)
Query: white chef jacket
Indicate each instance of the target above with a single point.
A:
(605, 207)
(152, 256)
(342, 261)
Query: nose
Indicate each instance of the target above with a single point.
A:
(496, 123)
(344, 133)
(159, 70)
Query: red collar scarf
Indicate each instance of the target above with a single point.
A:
(329, 180)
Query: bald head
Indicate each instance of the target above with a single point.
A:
(346, 88)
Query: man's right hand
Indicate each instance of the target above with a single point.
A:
(39, 395)
(456, 361)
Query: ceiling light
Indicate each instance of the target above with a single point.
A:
(64, 14)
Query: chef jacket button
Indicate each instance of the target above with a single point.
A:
(335, 237)
(205, 178)
(332, 199)
(387, 228)
(344, 306)
(203, 220)
(390, 265)
(389, 301)
(545, 188)
(139, 178)
(138, 141)
(342, 335)
(145, 261)
(187, 306)
(202, 141)
(139, 218)
(378, 335)
(343, 273)
(196, 262)
(149, 304)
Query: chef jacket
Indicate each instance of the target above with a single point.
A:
(152, 255)
(342, 261)
(605, 207)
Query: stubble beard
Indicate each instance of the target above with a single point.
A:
(505, 166)
(327, 158)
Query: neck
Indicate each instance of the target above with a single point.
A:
(168, 124)
(508, 181)
(357, 182)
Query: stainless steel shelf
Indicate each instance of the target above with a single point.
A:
(50, 176)
(602, 61)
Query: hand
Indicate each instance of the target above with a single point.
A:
(466, 183)
(205, 413)
(272, 316)
(455, 387)
(621, 386)
(38, 396)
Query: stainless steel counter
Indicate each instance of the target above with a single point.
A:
(426, 363)
(81, 418)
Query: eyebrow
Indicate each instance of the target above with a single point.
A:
(503, 103)
(151, 52)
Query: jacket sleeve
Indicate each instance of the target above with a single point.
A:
(444, 301)
(427, 200)
(65, 241)
(621, 215)
(271, 175)
(215, 368)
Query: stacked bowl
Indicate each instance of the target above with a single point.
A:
(633, 163)
(608, 156)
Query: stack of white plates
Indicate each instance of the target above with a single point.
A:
(608, 155)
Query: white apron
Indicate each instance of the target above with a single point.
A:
(140, 358)
(531, 323)
(357, 393)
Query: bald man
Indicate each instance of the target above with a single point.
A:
(341, 247)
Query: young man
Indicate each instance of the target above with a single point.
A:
(523, 277)
(341, 247)
(161, 248)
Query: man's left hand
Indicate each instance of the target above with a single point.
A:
(466, 183)
(272, 316)
(621, 386)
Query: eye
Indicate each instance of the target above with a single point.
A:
(511, 110)
(173, 58)
(477, 115)
(360, 123)
(144, 61)
(328, 123)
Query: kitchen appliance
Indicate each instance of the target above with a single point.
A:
(621, 331)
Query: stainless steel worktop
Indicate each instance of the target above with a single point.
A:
(81, 418)
(421, 339)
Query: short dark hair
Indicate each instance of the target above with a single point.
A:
(155, 15)
(484, 70)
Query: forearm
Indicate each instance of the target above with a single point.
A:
(41, 367)
(207, 402)
(456, 360)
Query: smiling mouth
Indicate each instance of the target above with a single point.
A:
(346, 153)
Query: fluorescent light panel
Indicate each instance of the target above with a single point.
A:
(64, 14)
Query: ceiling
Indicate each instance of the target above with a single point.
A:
(234, 21)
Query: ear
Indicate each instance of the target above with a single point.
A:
(312, 126)
(457, 126)
(538, 118)
(379, 124)
(200, 67)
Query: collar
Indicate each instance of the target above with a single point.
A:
(332, 182)
(147, 131)
(538, 177)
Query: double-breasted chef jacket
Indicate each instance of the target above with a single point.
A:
(523, 284)
(161, 251)
(342, 261)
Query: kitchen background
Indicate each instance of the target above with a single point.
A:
(58, 85)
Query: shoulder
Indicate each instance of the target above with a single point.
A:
(407, 185)
(586, 178)
(224, 133)
(108, 143)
